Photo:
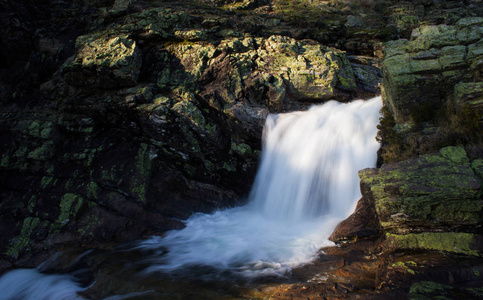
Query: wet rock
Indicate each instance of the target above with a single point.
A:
(362, 224)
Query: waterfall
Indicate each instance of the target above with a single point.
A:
(307, 182)
(310, 160)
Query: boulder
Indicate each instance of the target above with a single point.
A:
(362, 224)
(431, 202)
(309, 70)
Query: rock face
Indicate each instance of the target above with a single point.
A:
(108, 63)
(432, 202)
(447, 57)
(362, 224)
(427, 192)
(136, 116)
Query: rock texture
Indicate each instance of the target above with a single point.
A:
(426, 193)
(119, 118)
(447, 57)
(432, 202)
(131, 116)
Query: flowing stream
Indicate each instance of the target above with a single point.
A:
(307, 182)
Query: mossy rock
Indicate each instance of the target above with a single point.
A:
(426, 290)
(453, 242)
(435, 55)
(109, 62)
(434, 192)
(44, 152)
(22, 241)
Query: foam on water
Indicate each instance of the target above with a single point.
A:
(29, 284)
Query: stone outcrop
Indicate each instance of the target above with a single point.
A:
(149, 115)
(443, 61)
(360, 225)
(432, 202)
(426, 193)
(104, 62)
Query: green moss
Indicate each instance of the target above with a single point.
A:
(92, 190)
(21, 152)
(5, 162)
(31, 204)
(69, 207)
(44, 152)
(241, 148)
(406, 266)
(163, 78)
(92, 224)
(433, 290)
(187, 109)
(346, 83)
(388, 136)
(209, 165)
(456, 154)
(22, 241)
(420, 289)
(142, 171)
(467, 121)
(432, 191)
(43, 130)
(229, 166)
(455, 242)
(50, 170)
(46, 180)
(477, 166)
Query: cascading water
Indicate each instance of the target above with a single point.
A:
(28, 284)
(307, 182)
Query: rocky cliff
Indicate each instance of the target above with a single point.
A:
(119, 118)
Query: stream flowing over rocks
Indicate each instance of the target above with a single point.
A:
(121, 119)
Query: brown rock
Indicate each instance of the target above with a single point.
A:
(363, 223)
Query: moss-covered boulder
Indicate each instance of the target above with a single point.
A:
(432, 202)
(309, 70)
(438, 191)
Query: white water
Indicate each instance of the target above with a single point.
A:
(29, 284)
(307, 182)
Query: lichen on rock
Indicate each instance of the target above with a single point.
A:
(432, 192)
(109, 62)
(430, 58)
